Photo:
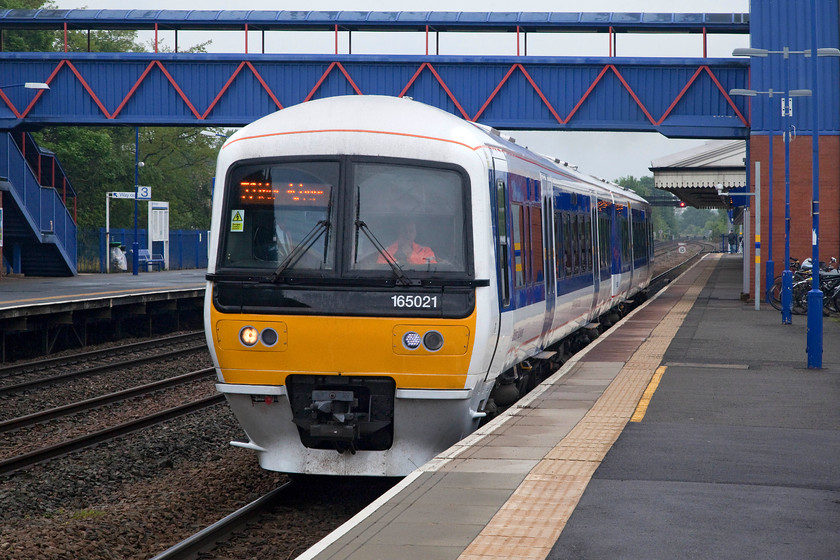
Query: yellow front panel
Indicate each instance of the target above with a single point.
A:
(345, 346)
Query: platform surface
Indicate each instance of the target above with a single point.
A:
(692, 430)
(23, 291)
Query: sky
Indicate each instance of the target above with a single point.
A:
(630, 154)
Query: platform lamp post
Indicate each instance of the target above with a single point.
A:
(28, 85)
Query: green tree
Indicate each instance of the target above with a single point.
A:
(96, 161)
(179, 166)
(24, 40)
(100, 40)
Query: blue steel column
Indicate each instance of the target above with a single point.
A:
(787, 275)
(815, 296)
(135, 247)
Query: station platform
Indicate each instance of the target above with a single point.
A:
(692, 429)
(40, 315)
(18, 292)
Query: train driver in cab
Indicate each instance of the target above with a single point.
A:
(405, 251)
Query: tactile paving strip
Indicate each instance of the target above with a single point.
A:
(529, 523)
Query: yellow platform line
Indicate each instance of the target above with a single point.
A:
(530, 522)
(641, 410)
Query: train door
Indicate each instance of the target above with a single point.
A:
(548, 253)
(499, 194)
(631, 226)
(615, 250)
(501, 227)
(594, 250)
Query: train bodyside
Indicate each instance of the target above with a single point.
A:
(570, 248)
(349, 364)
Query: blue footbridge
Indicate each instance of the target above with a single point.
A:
(677, 97)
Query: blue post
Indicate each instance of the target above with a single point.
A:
(135, 247)
(815, 296)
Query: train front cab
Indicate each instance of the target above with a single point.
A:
(334, 359)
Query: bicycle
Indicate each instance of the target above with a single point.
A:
(774, 291)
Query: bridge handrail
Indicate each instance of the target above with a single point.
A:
(36, 156)
(737, 23)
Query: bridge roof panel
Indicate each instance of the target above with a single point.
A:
(362, 20)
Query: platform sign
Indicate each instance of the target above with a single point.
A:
(143, 193)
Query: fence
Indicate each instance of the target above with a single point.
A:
(187, 248)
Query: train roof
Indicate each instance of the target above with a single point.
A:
(385, 114)
(406, 118)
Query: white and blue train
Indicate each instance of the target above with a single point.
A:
(383, 274)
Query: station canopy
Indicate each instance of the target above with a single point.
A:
(698, 176)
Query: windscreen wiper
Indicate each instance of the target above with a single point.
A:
(398, 271)
(299, 250)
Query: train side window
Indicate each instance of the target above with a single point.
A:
(623, 226)
(587, 243)
(558, 244)
(567, 243)
(502, 224)
(576, 245)
(519, 244)
(606, 243)
(536, 245)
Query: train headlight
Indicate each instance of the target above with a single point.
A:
(269, 337)
(411, 340)
(433, 341)
(249, 336)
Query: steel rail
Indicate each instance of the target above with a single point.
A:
(15, 369)
(72, 408)
(95, 369)
(40, 455)
(197, 543)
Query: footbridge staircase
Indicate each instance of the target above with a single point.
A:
(38, 229)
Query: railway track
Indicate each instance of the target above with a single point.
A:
(42, 422)
(285, 521)
(26, 460)
(30, 375)
(89, 404)
(20, 368)
(35, 386)
(223, 529)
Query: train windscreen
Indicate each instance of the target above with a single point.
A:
(340, 217)
(408, 215)
(274, 209)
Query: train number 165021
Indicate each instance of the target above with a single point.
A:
(419, 302)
